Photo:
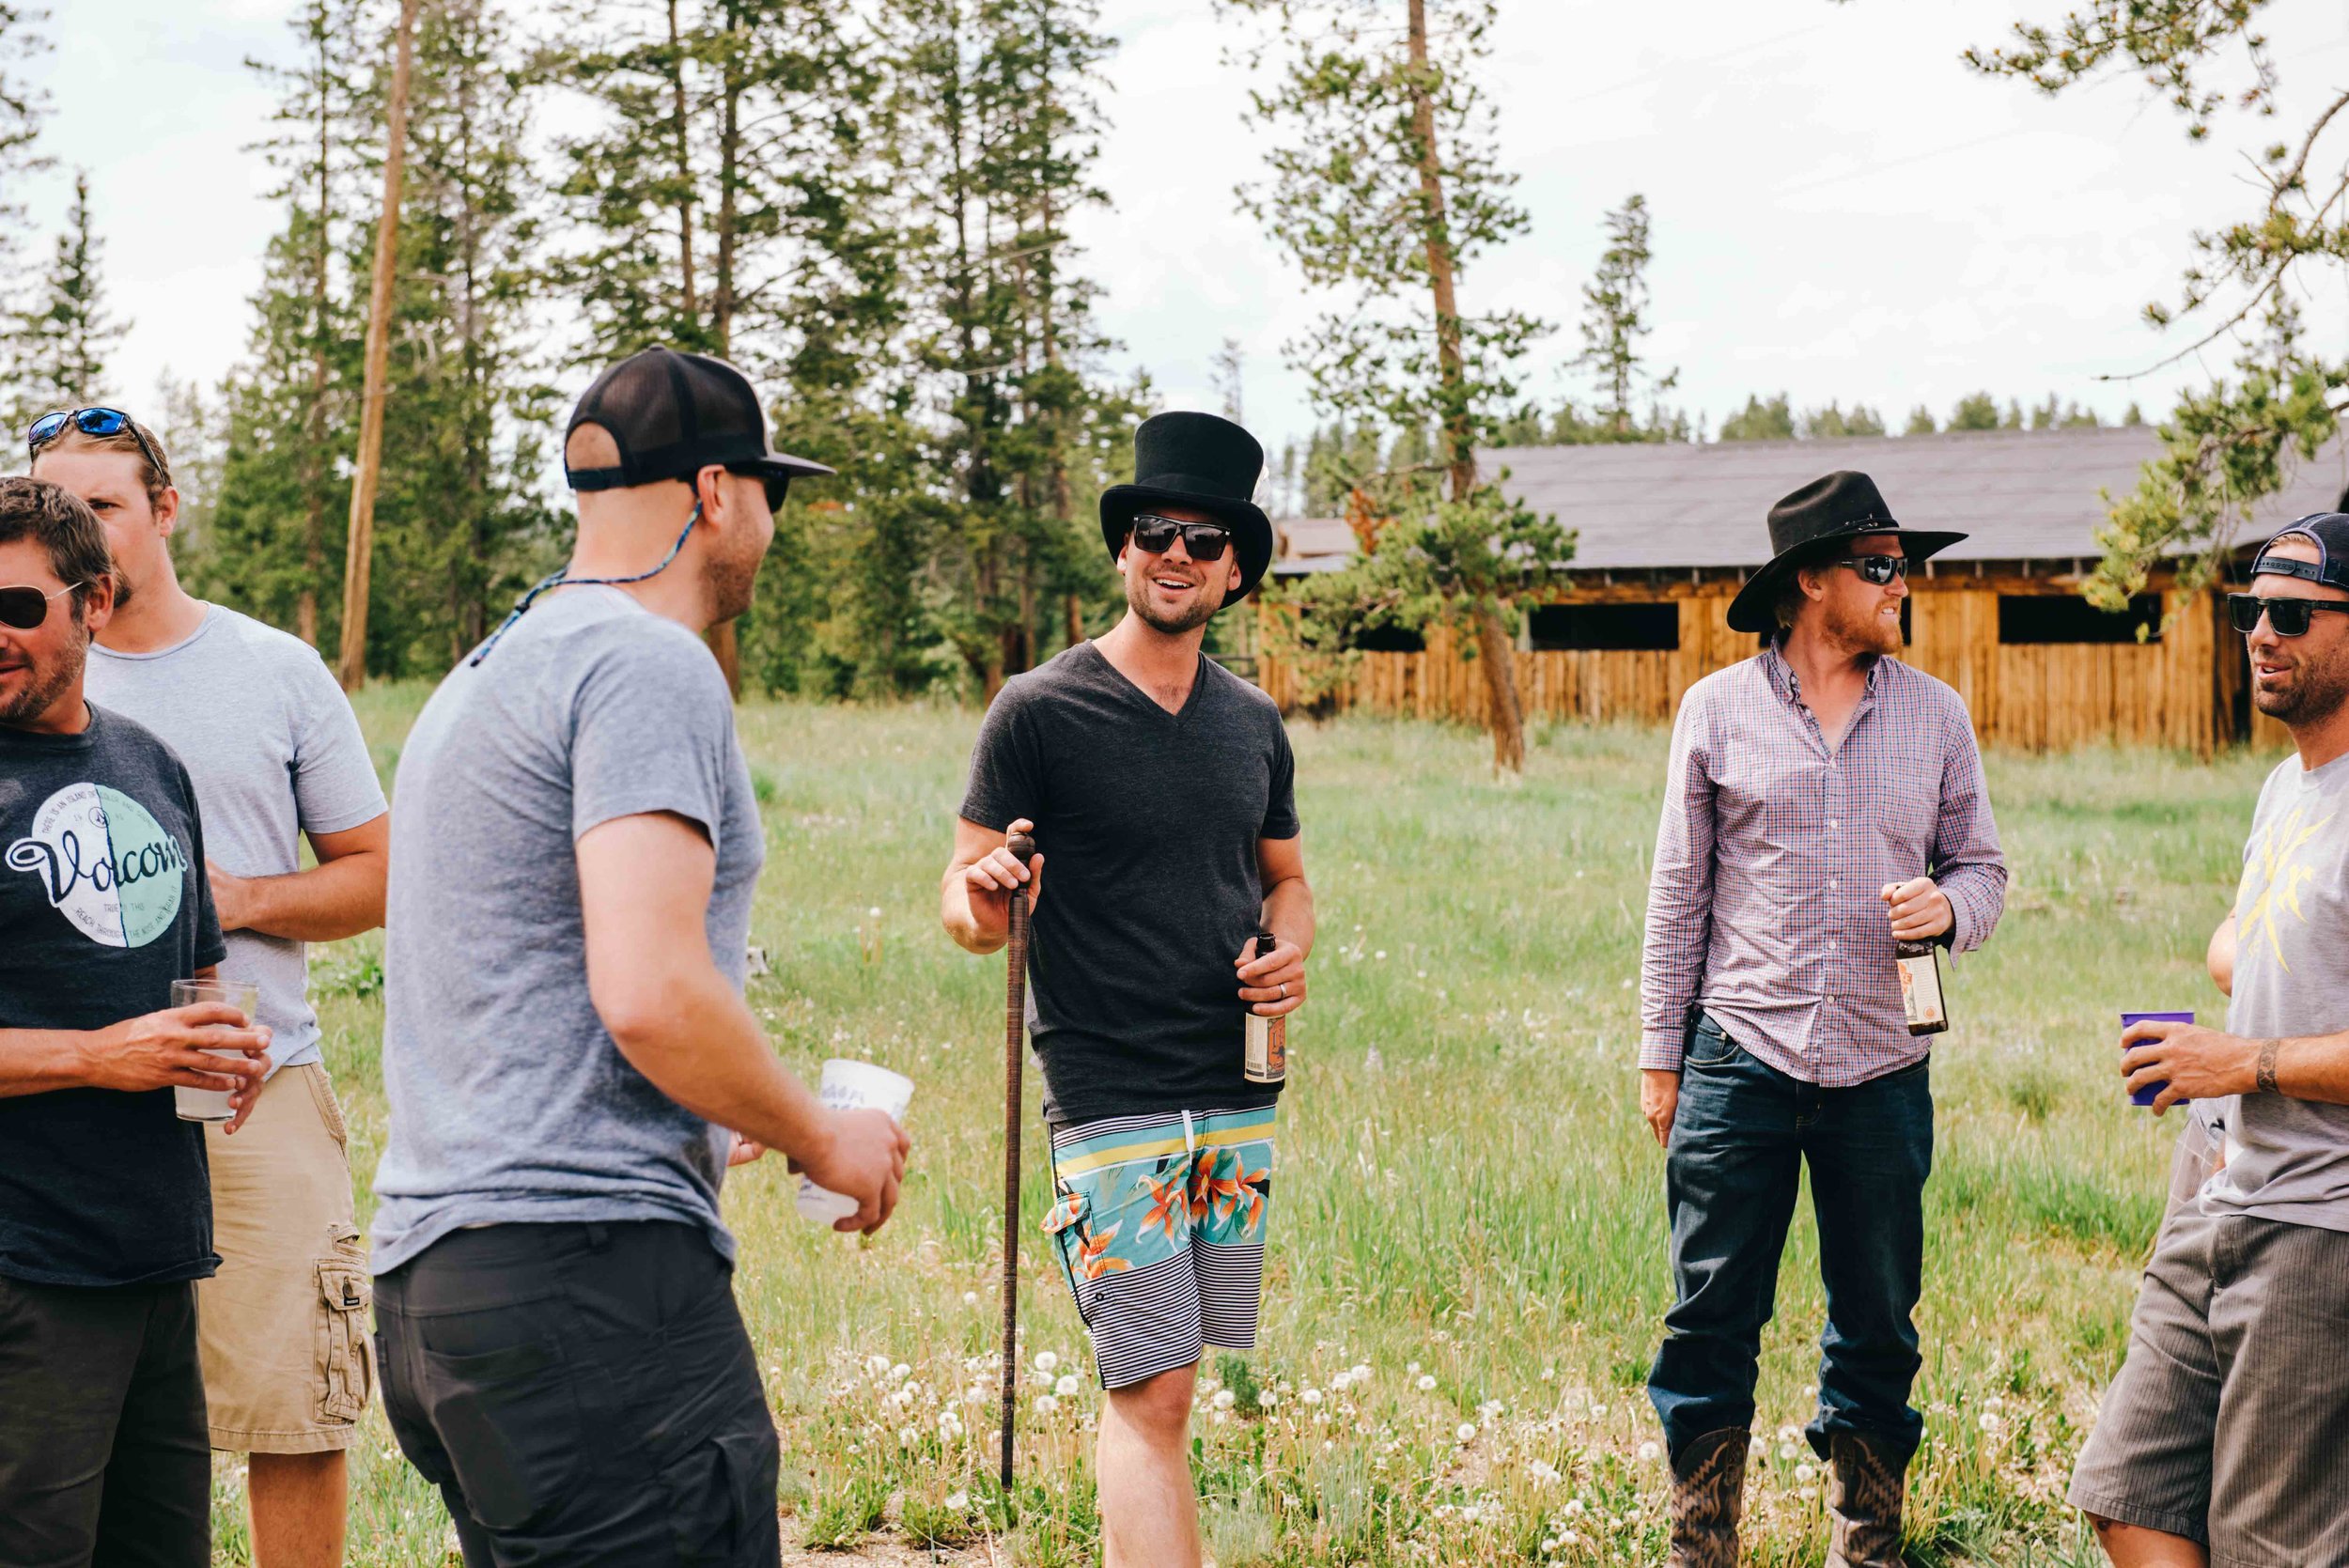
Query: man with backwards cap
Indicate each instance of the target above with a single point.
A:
(574, 844)
(1160, 787)
(1824, 801)
(2225, 1436)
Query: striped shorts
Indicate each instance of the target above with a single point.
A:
(1160, 1223)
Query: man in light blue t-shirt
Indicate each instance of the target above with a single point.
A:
(275, 754)
(574, 845)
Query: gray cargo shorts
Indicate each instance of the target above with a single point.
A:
(2228, 1422)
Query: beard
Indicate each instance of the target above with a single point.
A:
(730, 583)
(2313, 693)
(1138, 600)
(122, 587)
(47, 686)
(1864, 633)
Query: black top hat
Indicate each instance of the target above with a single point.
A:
(1196, 459)
(673, 414)
(1826, 512)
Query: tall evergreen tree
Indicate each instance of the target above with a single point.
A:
(60, 341)
(1614, 319)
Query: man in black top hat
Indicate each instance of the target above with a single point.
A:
(574, 845)
(1161, 788)
(1824, 801)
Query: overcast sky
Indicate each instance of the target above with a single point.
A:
(1841, 210)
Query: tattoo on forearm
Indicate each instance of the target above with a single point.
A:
(2265, 1077)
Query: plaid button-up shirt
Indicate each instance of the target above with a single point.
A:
(1765, 904)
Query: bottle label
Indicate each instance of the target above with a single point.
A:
(1919, 964)
(1267, 1052)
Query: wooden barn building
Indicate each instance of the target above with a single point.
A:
(1666, 533)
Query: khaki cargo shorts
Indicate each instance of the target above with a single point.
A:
(282, 1326)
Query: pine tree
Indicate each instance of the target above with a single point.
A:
(60, 341)
(1614, 319)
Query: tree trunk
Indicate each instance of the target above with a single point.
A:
(1503, 711)
(1497, 651)
(1073, 608)
(313, 460)
(356, 566)
(685, 171)
(723, 640)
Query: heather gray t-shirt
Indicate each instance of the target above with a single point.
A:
(2286, 1158)
(509, 1102)
(275, 752)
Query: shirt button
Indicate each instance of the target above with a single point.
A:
(1830, 824)
(1832, 884)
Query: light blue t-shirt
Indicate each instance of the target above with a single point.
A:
(510, 1101)
(275, 753)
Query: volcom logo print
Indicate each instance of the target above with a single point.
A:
(106, 863)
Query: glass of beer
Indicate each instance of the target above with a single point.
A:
(211, 1105)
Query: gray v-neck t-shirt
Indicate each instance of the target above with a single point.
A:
(275, 752)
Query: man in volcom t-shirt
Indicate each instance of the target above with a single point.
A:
(275, 753)
(105, 1212)
(1160, 789)
(2225, 1437)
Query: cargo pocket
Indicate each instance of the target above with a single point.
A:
(510, 1421)
(722, 1501)
(346, 1376)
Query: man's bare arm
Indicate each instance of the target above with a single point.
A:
(159, 1050)
(2220, 954)
(645, 884)
(340, 897)
(2202, 1064)
(974, 897)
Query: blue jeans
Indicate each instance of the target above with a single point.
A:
(1739, 1142)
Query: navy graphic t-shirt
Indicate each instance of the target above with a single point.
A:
(104, 903)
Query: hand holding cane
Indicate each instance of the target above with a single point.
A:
(1014, 1049)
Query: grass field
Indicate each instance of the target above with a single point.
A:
(1466, 1265)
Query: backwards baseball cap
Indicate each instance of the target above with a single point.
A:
(674, 414)
(2330, 533)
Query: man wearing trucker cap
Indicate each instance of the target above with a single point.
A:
(574, 844)
(2225, 1436)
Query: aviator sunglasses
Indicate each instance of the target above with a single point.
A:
(1205, 541)
(92, 422)
(27, 607)
(1878, 569)
(2288, 616)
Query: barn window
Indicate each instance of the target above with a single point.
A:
(2069, 619)
(1605, 626)
(1387, 639)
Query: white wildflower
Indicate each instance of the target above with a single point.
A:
(1412, 1369)
(1990, 1421)
(1804, 1475)
(1046, 1361)
(1599, 1412)
(900, 1372)
(957, 1500)
(969, 1298)
(1575, 1509)
(1467, 1432)
(1046, 1404)
(1426, 1381)
(1269, 1398)
(1649, 1452)
(1541, 1471)
(1786, 1450)
(1311, 1396)
(1067, 1386)
(876, 1366)
(1789, 1433)
(1225, 1399)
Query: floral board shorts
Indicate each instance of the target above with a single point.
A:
(1160, 1223)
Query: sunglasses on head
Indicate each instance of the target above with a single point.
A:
(2290, 617)
(93, 421)
(1203, 541)
(26, 608)
(1878, 569)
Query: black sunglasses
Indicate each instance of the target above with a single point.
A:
(27, 607)
(2288, 616)
(1205, 541)
(93, 421)
(1878, 569)
(777, 485)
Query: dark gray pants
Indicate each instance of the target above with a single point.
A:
(104, 1458)
(584, 1395)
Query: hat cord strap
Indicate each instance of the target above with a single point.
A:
(559, 580)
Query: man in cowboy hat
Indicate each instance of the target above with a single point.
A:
(1823, 801)
(1160, 787)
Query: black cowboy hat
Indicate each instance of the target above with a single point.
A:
(1196, 461)
(1827, 511)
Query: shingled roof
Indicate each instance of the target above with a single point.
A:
(2020, 495)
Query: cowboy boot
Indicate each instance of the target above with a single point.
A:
(1708, 1489)
(1871, 1475)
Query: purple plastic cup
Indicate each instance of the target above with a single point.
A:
(2146, 1094)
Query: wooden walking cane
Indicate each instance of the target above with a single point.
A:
(1014, 1051)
